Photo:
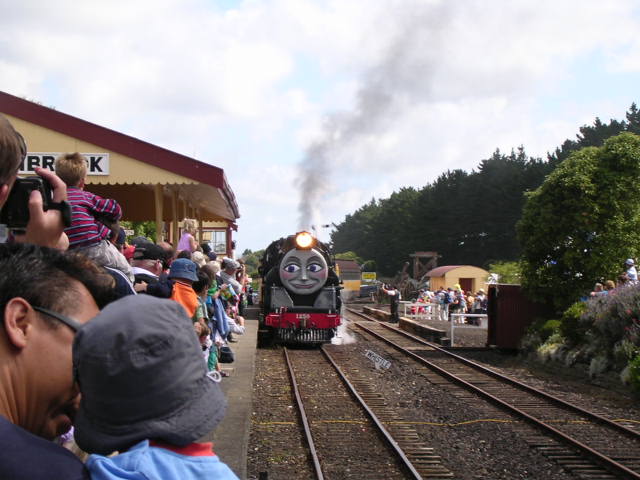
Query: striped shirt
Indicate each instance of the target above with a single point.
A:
(85, 230)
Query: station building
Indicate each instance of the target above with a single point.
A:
(349, 273)
(470, 278)
(150, 182)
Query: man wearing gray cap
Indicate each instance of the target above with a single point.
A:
(228, 274)
(146, 393)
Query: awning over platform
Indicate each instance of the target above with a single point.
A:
(150, 182)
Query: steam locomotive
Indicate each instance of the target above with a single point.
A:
(300, 295)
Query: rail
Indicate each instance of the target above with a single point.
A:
(320, 469)
(303, 416)
(612, 465)
(374, 418)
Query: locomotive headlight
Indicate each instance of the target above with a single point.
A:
(304, 240)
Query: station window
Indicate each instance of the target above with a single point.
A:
(218, 240)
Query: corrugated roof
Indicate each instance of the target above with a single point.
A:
(440, 271)
(348, 266)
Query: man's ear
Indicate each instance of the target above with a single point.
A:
(17, 321)
(4, 194)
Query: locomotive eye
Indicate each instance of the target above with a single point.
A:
(314, 267)
(291, 268)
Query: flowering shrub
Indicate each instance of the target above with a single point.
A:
(602, 332)
(612, 319)
(634, 373)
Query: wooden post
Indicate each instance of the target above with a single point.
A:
(174, 226)
(229, 250)
(200, 234)
(159, 199)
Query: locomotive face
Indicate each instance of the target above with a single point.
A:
(303, 271)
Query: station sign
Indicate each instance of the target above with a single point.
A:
(368, 276)
(97, 163)
(377, 360)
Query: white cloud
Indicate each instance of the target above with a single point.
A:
(249, 88)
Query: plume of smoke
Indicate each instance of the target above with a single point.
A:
(402, 76)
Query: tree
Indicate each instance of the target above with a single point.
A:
(252, 261)
(582, 222)
(633, 119)
(468, 218)
(141, 229)
(590, 136)
(349, 256)
(355, 233)
(508, 272)
(391, 226)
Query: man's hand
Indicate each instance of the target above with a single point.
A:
(45, 228)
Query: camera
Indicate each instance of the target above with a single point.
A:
(15, 212)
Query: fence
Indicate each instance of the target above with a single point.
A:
(421, 310)
(458, 319)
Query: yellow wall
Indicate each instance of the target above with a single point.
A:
(122, 169)
(220, 224)
(478, 275)
(351, 285)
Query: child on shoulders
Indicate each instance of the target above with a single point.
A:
(146, 394)
(87, 233)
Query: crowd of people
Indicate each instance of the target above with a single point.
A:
(442, 303)
(628, 277)
(120, 340)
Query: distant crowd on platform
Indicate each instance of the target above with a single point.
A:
(116, 345)
(454, 300)
(441, 303)
(628, 277)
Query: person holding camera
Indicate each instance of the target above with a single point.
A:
(44, 227)
(394, 301)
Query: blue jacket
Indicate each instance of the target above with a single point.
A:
(144, 460)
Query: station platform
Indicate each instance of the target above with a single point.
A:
(231, 437)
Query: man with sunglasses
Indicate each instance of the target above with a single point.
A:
(44, 228)
(147, 267)
(45, 297)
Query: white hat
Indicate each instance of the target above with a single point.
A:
(198, 258)
(629, 261)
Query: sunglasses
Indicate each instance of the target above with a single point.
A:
(72, 324)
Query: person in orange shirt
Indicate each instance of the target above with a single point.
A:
(183, 273)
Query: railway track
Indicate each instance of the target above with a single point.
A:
(584, 442)
(346, 437)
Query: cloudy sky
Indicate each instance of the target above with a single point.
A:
(314, 107)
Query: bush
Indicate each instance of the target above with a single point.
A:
(634, 373)
(549, 329)
(538, 334)
(553, 348)
(625, 351)
(613, 318)
(570, 327)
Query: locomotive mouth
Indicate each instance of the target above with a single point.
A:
(303, 285)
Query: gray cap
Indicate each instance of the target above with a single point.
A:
(230, 263)
(142, 376)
